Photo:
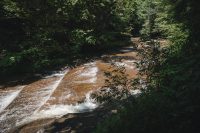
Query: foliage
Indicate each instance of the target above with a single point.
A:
(170, 103)
(39, 34)
(57, 29)
(117, 86)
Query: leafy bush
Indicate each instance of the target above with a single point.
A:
(117, 86)
(170, 103)
(62, 30)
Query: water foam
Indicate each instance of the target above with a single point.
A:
(30, 103)
(91, 80)
(55, 74)
(60, 110)
(52, 111)
(52, 88)
(125, 64)
(7, 98)
(91, 72)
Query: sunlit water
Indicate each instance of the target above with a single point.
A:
(7, 97)
(57, 94)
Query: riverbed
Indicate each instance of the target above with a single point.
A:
(61, 92)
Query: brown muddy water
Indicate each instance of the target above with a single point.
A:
(63, 92)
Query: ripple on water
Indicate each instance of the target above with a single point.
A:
(91, 72)
(31, 98)
(60, 110)
(7, 97)
(88, 74)
(41, 103)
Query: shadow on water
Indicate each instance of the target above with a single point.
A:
(92, 55)
(50, 97)
(79, 122)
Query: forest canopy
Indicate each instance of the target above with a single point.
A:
(40, 34)
(36, 35)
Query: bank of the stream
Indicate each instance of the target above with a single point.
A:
(87, 55)
(68, 91)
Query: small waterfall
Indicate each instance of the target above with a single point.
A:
(8, 97)
(26, 103)
(53, 88)
(56, 94)
(60, 110)
(89, 74)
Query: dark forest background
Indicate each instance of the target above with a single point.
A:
(39, 35)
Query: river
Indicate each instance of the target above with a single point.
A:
(60, 93)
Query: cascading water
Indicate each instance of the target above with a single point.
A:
(27, 101)
(55, 95)
(60, 110)
(6, 97)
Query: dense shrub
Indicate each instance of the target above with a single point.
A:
(170, 103)
(36, 33)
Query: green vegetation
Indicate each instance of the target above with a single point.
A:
(170, 101)
(36, 35)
